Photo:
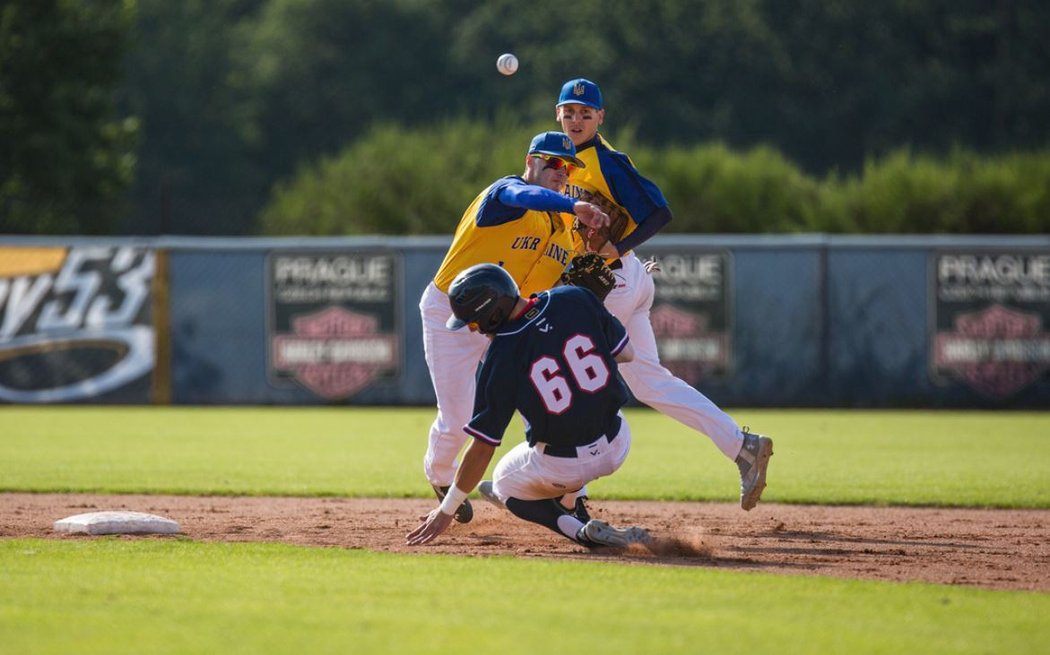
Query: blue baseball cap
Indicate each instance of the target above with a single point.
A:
(580, 92)
(555, 144)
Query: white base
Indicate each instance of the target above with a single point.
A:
(117, 523)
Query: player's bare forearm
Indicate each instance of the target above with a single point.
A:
(473, 466)
(625, 355)
(470, 472)
(609, 250)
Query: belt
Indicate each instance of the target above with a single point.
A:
(567, 451)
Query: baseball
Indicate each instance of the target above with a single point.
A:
(507, 64)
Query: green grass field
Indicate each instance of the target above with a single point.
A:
(117, 596)
(174, 595)
(836, 457)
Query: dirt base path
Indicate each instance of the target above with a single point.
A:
(998, 549)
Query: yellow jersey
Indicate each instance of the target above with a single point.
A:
(518, 227)
(612, 175)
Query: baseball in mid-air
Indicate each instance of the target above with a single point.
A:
(507, 64)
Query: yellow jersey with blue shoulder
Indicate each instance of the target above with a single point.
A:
(612, 175)
(517, 226)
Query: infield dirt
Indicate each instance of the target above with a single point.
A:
(997, 549)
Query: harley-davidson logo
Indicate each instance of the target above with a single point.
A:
(686, 346)
(997, 351)
(335, 352)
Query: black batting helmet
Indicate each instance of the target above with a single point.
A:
(484, 294)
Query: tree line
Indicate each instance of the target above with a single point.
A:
(205, 117)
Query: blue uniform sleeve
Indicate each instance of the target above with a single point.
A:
(650, 226)
(536, 198)
(496, 396)
(637, 194)
(509, 197)
(616, 334)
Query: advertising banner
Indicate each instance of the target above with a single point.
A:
(691, 314)
(990, 327)
(76, 324)
(334, 320)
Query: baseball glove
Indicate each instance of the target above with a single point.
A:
(594, 239)
(590, 272)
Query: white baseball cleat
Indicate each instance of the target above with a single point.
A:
(486, 492)
(753, 461)
(600, 533)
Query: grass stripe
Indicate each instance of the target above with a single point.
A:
(176, 596)
(977, 459)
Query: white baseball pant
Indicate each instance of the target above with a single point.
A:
(452, 357)
(527, 473)
(648, 380)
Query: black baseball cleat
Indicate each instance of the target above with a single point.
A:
(579, 508)
(581, 512)
(465, 512)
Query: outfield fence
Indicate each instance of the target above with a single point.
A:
(761, 321)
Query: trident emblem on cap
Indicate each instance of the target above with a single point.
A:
(565, 143)
(577, 89)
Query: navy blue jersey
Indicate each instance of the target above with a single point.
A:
(554, 364)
